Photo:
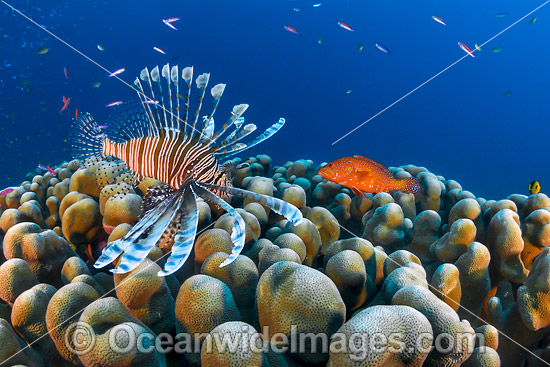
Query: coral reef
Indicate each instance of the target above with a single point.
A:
(399, 269)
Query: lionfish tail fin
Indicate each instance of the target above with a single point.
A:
(279, 206)
(87, 137)
(185, 237)
(238, 231)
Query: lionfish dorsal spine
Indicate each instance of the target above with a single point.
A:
(167, 76)
(237, 111)
(156, 77)
(221, 153)
(202, 83)
(174, 74)
(187, 76)
(146, 102)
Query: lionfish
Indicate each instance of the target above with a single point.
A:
(184, 153)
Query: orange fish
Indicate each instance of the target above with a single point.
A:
(65, 103)
(76, 114)
(65, 69)
(365, 175)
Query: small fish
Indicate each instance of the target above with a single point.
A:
(6, 191)
(534, 188)
(478, 47)
(42, 167)
(466, 49)
(116, 72)
(100, 48)
(43, 50)
(501, 15)
(438, 19)
(65, 70)
(507, 93)
(291, 29)
(382, 48)
(76, 114)
(172, 20)
(297, 9)
(96, 85)
(50, 170)
(159, 50)
(150, 101)
(65, 103)
(169, 24)
(365, 175)
(103, 126)
(533, 20)
(345, 26)
(320, 40)
(317, 5)
(115, 103)
(360, 47)
(348, 91)
(497, 49)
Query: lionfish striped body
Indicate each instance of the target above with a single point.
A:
(182, 153)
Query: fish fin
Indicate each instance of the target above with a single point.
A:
(279, 206)
(238, 231)
(185, 237)
(358, 192)
(87, 139)
(363, 176)
(267, 134)
(140, 246)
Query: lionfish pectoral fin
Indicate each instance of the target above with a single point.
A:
(142, 245)
(114, 249)
(238, 231)
(279, 206)
(186, 234)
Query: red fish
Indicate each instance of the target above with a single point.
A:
(365, 175)
(65, 103)
(50, 170)
(76, 114)
(65, 69)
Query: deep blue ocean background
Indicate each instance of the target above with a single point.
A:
(460, 125)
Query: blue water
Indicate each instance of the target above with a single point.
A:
(460, 125)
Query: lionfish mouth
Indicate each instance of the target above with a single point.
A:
(181, 151)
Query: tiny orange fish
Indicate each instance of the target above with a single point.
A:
(66, 102)
(365, 175)
(76, 114)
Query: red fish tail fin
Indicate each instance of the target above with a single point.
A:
(410, 185)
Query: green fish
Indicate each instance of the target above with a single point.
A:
(360, 47)
(497, 49)
(43, 50)
(320, 40)
(508, 94)
(533, 20)
(348, 91)
(100, 48)
(96, 85)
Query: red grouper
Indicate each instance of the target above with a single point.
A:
(365, 175)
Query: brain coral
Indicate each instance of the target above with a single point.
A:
(378, 326)
(44, 250)
(295, 295)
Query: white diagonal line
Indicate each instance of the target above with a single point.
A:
(438, 74)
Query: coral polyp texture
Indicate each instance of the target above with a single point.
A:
(435, 278)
